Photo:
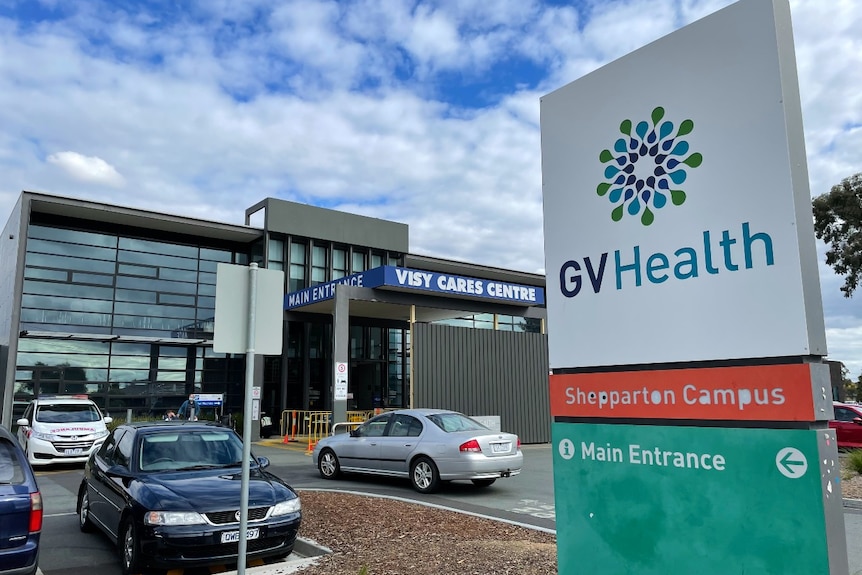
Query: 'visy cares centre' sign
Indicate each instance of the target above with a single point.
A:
(685, 320)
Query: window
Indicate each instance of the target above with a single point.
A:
(318, 265)
(275, 257)
(358, 262)
(339, 263)
(405, 426)
(297, 267)
(123, 453)
(10, 467)
(376, 261)
(373, 427)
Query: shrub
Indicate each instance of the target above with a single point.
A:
(854, 460)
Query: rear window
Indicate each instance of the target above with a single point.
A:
(67, 413)
(450, 422)
(10, 465)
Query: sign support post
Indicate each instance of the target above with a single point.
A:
(241, 294)
(246, 419)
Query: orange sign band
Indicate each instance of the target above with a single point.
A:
(746, 393)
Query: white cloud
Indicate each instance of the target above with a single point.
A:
(88, 169)
(361, 106)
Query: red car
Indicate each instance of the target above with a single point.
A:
(847, 425)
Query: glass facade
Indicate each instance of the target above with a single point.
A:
(91, 289)
(129, 321)
(496, 321)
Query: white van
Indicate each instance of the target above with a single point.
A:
(61, 429)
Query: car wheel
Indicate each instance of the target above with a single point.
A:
(424, 475)
(328, 464)
(129, 554)
(483, 482)
(84, 522)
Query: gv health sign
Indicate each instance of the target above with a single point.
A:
(677, 210)
(406, 279)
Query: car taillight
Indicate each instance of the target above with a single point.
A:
(471, 445)
(519, 443)
(35, 512)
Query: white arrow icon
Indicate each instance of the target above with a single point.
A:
(791, 463)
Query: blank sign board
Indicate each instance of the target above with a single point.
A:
(232, 310)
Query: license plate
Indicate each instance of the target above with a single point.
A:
(233, 536)
(501, 447)
(75, 451)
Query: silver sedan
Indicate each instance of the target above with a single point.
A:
(428, 446)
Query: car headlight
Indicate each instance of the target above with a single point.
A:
(286, 507)
(173, 518)
(101, 434)
(45, 436)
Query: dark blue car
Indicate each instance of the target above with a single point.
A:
(20, 510)
(168, 494)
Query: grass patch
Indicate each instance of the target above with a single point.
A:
(854, 461)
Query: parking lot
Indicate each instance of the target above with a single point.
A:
(526, 499)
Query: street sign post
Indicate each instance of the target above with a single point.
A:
(243, 294)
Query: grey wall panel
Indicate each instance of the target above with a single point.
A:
(485, 372)
(321, 223)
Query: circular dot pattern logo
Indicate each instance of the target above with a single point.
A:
(646, 167)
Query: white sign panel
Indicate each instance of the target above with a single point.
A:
(677, 211)
(232, 308)
(340, 381)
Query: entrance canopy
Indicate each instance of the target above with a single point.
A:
(389, 291)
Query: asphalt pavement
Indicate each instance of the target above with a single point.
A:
(526, 499)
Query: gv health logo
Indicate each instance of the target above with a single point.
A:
(646, 167)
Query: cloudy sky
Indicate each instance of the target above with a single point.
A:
(421, 112)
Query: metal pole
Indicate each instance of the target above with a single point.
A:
(246, 419)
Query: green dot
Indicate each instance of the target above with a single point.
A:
(647, 217)
(603, 188)
(657, 115)
(617, 214)
(606, 156)
(685, 128)
(677, 197)
(626, 127)
(694, 160)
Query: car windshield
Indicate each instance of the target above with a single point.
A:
(456, 422)
(177, 450)
(67, 413)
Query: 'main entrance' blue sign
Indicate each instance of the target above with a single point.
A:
(404, 279)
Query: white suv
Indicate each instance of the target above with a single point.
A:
(61, 429)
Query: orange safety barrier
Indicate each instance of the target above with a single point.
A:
(318, 429)
(292, 436)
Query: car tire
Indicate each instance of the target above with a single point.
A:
(424, 475)
(83, 509)
(130, 559)
(483, 482)
(328, 465)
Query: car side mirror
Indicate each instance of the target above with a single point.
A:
(107, 419)
(23, 422)
(355, 433)
(856, 420)
(263, 462)
(118, 471)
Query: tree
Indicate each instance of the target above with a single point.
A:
(838, 222)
